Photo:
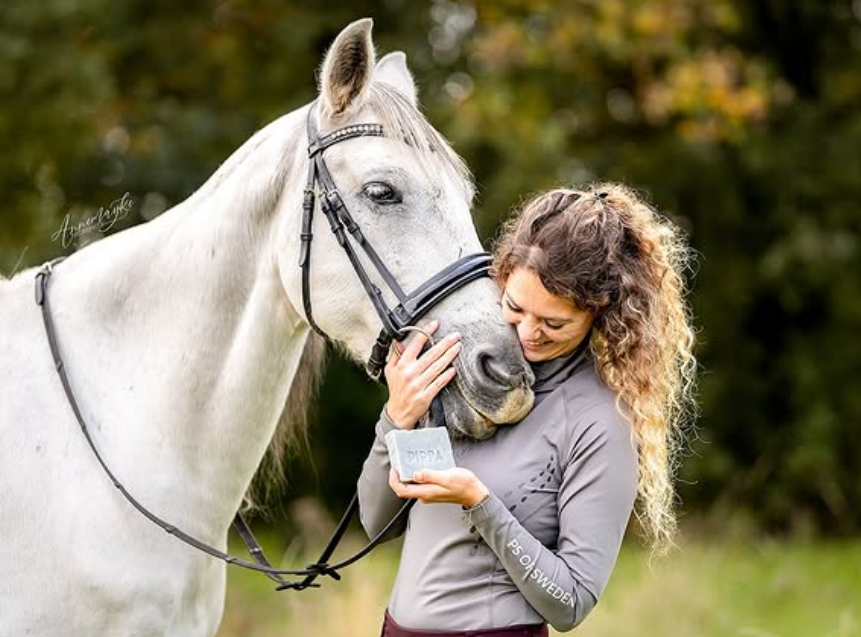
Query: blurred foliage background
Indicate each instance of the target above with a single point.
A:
(741, 119)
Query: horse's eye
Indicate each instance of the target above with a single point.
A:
(382, 193)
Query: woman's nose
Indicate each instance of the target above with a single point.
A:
(528, 331)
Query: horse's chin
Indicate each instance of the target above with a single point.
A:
(466, 419)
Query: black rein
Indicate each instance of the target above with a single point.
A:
(261, 563)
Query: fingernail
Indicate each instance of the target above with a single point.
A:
(418, 475)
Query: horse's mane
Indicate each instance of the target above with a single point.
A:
(400, 119)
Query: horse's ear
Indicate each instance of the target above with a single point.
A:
(392, 69)
(348, 69)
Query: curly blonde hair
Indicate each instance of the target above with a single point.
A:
(612, 255)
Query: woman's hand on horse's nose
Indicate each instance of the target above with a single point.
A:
(414, 379)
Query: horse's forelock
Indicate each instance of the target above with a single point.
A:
(401, 120)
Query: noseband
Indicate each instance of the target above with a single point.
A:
(410, 307)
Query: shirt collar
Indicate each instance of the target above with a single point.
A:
(552, 373)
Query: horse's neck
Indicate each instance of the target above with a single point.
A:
(181, 344)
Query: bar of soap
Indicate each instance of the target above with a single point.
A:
(414, 449)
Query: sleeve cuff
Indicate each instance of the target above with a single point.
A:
(384, 425)
(483, 510)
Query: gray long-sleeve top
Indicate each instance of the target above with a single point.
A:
(542, 547)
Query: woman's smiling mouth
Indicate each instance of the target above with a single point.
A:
(533, 345)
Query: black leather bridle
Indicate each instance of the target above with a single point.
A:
(396, 323)
(410, 307)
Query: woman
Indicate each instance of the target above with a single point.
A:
(593, 283)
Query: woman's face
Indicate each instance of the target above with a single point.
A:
(548, 326)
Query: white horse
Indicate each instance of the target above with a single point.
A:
(182, 337)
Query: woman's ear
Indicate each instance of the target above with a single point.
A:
(392, 69)
(347, 70)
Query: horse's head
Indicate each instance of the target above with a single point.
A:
(410, 194)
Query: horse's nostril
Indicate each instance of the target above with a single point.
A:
(489, 368)
(498, 371)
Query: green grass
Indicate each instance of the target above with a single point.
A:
(706, 589)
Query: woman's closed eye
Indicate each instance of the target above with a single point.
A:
(512, 307)
(549, 324)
